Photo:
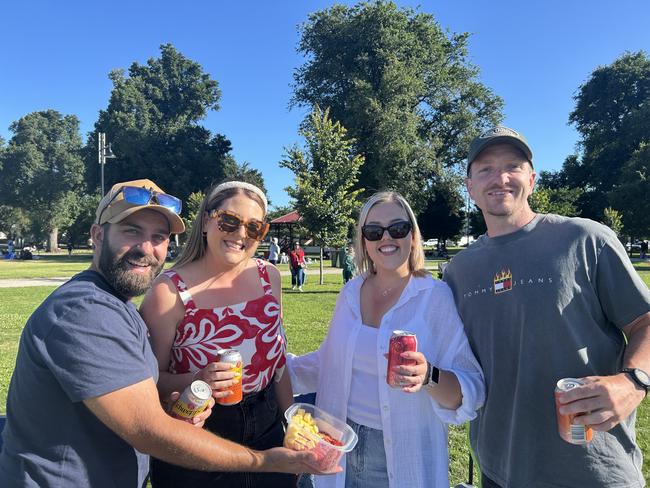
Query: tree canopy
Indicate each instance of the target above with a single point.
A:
(444, 215)
(400, 84)
(42, 170)
(152, 121)
(325, 174)
(612, 115)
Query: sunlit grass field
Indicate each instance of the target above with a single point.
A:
(306, 317)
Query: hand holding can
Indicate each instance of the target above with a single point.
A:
(220, 376)
(400, 341)
(570, 431)
(234, 393)
(194, 400)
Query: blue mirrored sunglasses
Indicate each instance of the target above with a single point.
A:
(144, 196)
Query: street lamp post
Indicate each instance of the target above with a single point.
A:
(104, 152)
(467, 221)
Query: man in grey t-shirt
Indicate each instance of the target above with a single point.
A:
(545, 297)
(83, 409)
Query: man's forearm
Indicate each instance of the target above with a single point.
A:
(637, 352)
(185, 445)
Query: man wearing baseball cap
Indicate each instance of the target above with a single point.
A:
(83, 408)
(545, 297)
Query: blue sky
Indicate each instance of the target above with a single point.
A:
(533, 54)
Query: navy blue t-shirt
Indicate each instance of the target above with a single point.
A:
(82, 342)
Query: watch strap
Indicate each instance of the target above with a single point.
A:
(631, 372)
(427, 376)
(433, 375)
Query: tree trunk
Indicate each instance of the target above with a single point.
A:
(321, 265)
(53, 241)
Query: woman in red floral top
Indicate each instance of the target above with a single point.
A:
(217, 297)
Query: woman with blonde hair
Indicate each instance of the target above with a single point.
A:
(402, 431)
(218, 297)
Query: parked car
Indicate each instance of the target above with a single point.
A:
(430, 243)
(635, 247)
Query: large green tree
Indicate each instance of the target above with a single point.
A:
(632, 195)
(612, 115)
(444, 215)
(152, 121)
(400, 84)
(42, 170)
(325, 174)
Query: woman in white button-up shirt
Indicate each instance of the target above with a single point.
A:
(402, 431)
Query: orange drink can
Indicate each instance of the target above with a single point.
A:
(570, 432)
(232, 356)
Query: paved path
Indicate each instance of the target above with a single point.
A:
(20, 282)
(23, 282)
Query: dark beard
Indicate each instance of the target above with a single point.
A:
(118, 272)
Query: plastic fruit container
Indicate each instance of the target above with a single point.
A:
(311, 429)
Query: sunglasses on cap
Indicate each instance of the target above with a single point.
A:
(397, 230)
(228, 221)
(143, 196)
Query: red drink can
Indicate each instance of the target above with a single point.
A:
(570, 432)
(400, 341)
(232, 356)
(194, 399)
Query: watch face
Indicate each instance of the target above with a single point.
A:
(642, 376)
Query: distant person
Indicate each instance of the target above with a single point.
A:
(402, 431)
(297, 264)
(349, 267)
(274, 251)
(644, 249)
(70, 248)
(236, 299)
(545, 297)
(83, 409)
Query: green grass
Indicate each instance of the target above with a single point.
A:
(46, 266)
(306, 317)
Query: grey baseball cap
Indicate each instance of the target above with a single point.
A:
(497, 135)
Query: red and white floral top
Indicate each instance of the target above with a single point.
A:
(254, 328)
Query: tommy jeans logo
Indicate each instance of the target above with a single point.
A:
(502, 281)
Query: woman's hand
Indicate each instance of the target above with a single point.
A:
(412, 377)
(219, 376)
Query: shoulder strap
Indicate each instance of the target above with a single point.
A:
(181, 287)
(264, 276)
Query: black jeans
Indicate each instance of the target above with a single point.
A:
(488, 483)
(255, 422)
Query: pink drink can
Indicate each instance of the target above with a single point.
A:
(400, 341)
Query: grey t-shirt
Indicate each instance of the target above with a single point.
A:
(541, 304)
(82, 342)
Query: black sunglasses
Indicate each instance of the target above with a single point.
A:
(397, 230)
(228, 221)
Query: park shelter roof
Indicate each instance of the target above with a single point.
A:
(290, 218)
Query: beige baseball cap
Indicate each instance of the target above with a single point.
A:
(114, 207)
(498, 135)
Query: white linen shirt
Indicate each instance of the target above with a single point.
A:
(414, 425)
